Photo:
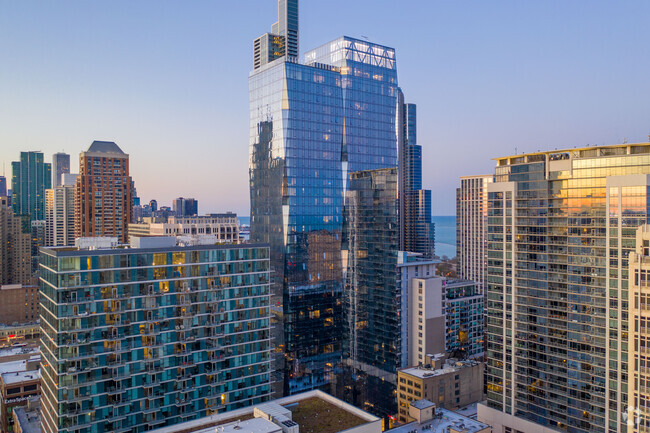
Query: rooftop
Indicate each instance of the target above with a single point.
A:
(19, 349)
(450, 366)
(21, 376)
(105, 147)
(313, 411)
(580, 151)
(28, 419)
(443, 422)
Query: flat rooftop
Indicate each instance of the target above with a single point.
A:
(21, 376)
(18, 350)
(444, 420)
(313, 411)
(422, 372)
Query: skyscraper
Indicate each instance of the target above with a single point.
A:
(561, 226)
(471, 228)
(15, 247)
(31, 176)
(60, 216)
(311, 125)
(283, 39)
(103, 192)
(3, 186)
(417, 231)
(185, 206)
(152, 335)
(60, 166)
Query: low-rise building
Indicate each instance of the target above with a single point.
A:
(27, 419)
(19, 380)
(312, 411)
(429, 418)
(11, 335)
(449, 383)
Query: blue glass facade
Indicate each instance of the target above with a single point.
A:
(30, 177)
(134, 338)
(311, 124)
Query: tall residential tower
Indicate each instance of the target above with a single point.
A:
(31, 176)
(561, 226)
(311, 124)
(103, 192)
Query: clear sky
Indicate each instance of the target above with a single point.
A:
(167, 81)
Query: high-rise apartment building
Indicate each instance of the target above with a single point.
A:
(103, 192)
(283, 39)
(417, 230)
(60, 166)
(60, 216)
(3, 186)
(311, 125)
(471, 228)
(155, 334)
(561, 226)
(31, 176)
(15, 247)
(38, 232)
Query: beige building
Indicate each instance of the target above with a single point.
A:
(18, 304)
(224, 227)
(447, 383)
(59, 216)
(471, 222)
(639, 336)
(426, 313)
(15, 247)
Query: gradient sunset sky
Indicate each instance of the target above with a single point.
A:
(167, 81)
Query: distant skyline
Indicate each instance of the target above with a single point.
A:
(167, 81)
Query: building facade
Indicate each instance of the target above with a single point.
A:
(15, 247)
(283, 39)
(3, 186)
(224, 227)
(18, 303)
(471, 228)
(31, 176)
(152, 335)
(60, 167)
(185, 207)
(103, 192)
(311, 125)
(60, 216)
(561, 226)
(451, 385)
(19, 381)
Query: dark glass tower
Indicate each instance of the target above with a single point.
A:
(417, 234)
(31, 176)
(311, 124)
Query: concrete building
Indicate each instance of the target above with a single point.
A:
(312, 411)
(152, 334)
(103, 192)
(60, 216)
(15, 247)
(223, 226)
(18, 303)
(471, 232)
(561, 226)
(60, 167)
(30, 177)
(27, 419)
(19, 380)
(17, 352)
(449, 383)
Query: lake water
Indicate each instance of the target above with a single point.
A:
(445, 234)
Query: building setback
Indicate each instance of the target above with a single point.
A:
(103, 192)
(152, 335)
(561, 225)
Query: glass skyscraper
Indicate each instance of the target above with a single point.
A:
(31, 176)
(138, 338)
(311, 124)
(560, 228)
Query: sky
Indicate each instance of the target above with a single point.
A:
(168, 82)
